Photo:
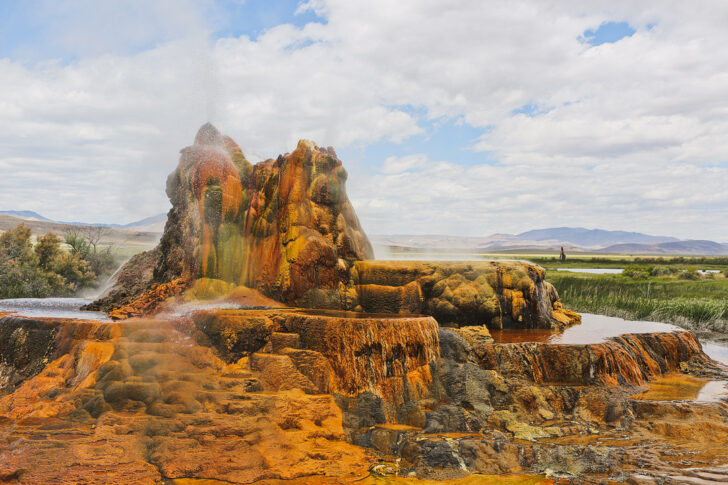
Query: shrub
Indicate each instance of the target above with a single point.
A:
(86, 244)
(637, 272)
(689, 275)
(46, 270)
(663, 271)
(78, 244)
(77, 272)
(15, 245)
(21, 274)
(102, 262)
(48, 249)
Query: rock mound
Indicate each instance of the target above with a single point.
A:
(494, 294)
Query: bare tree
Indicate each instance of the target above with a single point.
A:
(94, 235)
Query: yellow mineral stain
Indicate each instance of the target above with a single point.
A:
(680, 387)
(389, 480)
(397, 427)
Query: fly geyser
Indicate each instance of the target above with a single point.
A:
(314, 363)
(286, 229)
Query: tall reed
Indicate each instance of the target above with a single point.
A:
(700, 305)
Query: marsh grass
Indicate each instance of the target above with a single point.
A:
(620, 261)
(699, 305)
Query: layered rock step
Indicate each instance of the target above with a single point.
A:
(631, 359)
(497, 294)
(387, 357)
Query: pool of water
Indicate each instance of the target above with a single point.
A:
(593, 329)
(598, 328)
(679, 387)
(186, 309)
(592, 270)
(716, 351)
(51, 308)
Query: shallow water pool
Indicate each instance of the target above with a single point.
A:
(680, 387)
(591, 270)
(51, 308)
(593, 329)
(598, 328)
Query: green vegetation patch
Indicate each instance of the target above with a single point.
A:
(674, 295)
(622, 261)
(51, 268)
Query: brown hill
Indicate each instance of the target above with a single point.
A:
(117, 237)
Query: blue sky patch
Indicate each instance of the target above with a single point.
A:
(448, 140)
(30, 30)
(253, 17)
(531, 110)
(608, 33)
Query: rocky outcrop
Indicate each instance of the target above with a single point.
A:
(131, 281)
(286, 394)
(494, 294)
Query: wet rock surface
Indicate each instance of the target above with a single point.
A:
(155, 405)
(243, 396)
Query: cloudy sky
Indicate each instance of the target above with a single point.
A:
(462, 117)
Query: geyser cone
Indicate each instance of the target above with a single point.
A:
(284, 227)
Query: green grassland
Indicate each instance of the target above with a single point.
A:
(669, 292)
(622, 260)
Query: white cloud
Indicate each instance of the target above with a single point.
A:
(438, 197)
(396, 165)
(629, 135)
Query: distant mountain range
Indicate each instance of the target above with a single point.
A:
(149, 224)
(26, 215)
(573, 239)
(592, 237)
(677, 247)
(143, 234)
